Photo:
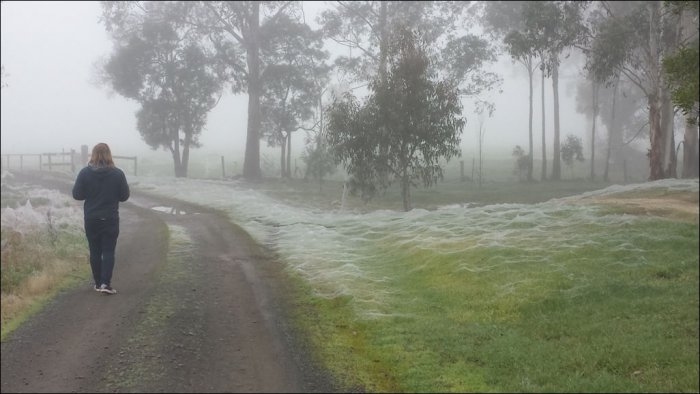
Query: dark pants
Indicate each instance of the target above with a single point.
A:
(102, 237)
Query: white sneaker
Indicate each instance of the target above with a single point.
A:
(107, 289)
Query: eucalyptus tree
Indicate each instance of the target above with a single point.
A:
(235, 30)
(521, 161)
(615, 104)
(554, 26)
(160, 64)
(603, 80)
(319, 159)
(504, 21)
(292, 82)
(409, 122)
(572, 149)
(366, 27)
(633, 40)
(681, 69)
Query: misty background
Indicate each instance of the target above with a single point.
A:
(51, 101)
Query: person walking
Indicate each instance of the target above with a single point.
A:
(102, 185)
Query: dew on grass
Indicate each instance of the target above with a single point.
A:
(349, 254)
(51, 208)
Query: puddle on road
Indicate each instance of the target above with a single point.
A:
(172, 210)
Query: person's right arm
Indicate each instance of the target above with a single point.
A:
(124, 192)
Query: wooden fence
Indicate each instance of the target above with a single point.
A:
(62, 161)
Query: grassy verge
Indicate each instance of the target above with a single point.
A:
(34, 267)
(609, 303)
(43, 250)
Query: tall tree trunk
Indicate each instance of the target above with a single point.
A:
(656, 137)
(251, 165)
(611, 130)
(283, 159)
(175, 150)
(544, 145)
(690, 149)
(595, 117)
(530, 72)
(406, 192)
(289, 154)
(669, 143)
(669, 29)
(656, 170)
(556, 156)
(383, 39)
(186, 151)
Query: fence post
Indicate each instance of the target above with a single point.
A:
(461, 169)
(223, 168)
(72, 160)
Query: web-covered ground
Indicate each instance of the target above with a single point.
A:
(349, 254)
(28, 208)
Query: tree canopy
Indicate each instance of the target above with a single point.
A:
(407, 125)
(162, 66)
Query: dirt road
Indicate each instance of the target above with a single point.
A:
(204, 315)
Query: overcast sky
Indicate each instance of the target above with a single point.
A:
(50, 104)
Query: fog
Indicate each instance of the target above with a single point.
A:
(50, 101)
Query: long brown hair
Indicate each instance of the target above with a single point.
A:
(101, 156)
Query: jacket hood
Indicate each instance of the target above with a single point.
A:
(99, 169)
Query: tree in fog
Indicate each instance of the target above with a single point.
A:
(595, 109)
(504, 21)
(572, 149)
(320, 161)
(162, 66)
(366, 28)
(235, 29)
(619, 98)
(642, 34)
(292, 82)
(555, 26)
(681, 69)
(522, 161)
(407, 125)
(592, 99)
(482, 109)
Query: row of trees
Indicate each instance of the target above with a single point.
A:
(176, 59)
(651, 45)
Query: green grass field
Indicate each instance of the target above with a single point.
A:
(575, 299)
